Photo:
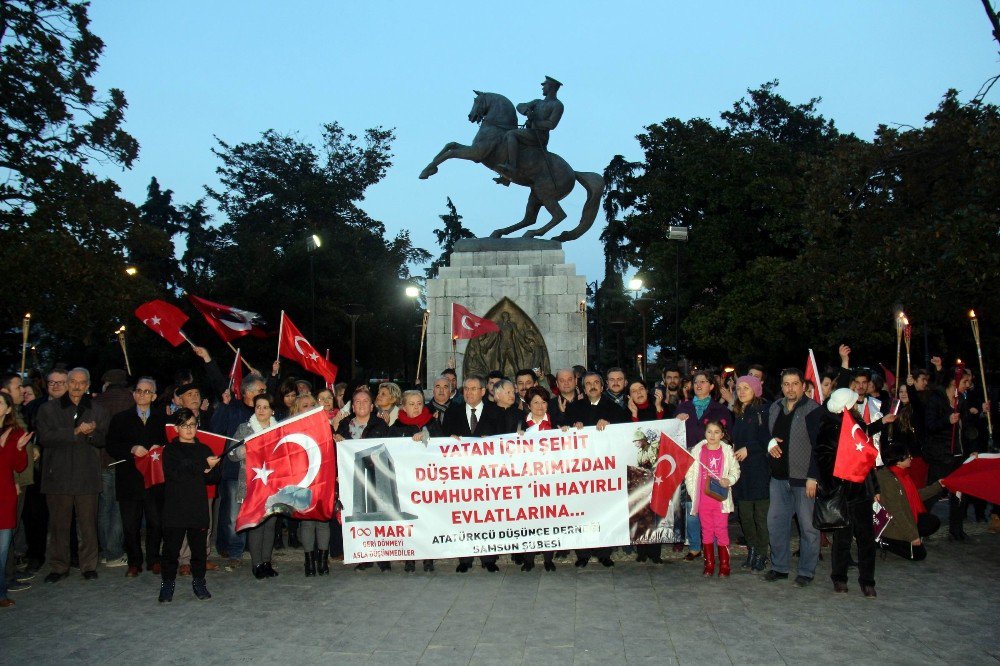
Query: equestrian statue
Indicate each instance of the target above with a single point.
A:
(520, 155)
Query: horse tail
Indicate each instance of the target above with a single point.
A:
(593, 183)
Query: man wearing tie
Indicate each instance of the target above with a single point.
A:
(474, 418)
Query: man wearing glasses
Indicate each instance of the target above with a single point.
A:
(71, 432)
(131, 435)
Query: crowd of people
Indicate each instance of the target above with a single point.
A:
(72, 494)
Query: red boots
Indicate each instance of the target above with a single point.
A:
(708, 552)
(724, 562)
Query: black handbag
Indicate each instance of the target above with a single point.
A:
(830, 509)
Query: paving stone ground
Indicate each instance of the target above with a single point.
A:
(943, 610)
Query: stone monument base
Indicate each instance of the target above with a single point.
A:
(535, 278)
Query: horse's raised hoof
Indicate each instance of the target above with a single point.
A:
(564, 236)
(499, 233)
(428, 172)
(531, 233)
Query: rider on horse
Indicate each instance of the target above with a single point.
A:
(543, 116)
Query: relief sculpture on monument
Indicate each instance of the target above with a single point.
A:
(519, 344)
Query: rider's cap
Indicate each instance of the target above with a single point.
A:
(549, 79)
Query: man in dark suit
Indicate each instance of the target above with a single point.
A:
(474, 417)
(595, 409)
(131, 434)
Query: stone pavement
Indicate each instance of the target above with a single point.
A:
(943, 610)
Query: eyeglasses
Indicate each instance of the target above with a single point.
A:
(145, 392)
(187, 425)
(51, 383)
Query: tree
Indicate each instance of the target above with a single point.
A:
(276, 193)
(51, 118)
(452, 232)
(64, 230)
(801, 236)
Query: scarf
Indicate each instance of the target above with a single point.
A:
(700, 404)
(910, 488)
(255, 425)
(419, 421)
(544, 424)
(439, 410)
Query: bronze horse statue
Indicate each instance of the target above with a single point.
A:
(548, 176)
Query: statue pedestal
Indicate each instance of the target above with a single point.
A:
(534, 276)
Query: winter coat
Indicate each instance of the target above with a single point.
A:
(750, 431)
(71, 464)
(694, 428)
(730, 470)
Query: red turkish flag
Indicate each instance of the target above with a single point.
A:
(215, 442)
(292, 470)
(229, 322)
(465, 325)
(855, 452)
(979, 478)
(293, 345)
(164, 319)
(151, 467)
(672, 463)
(812, 374)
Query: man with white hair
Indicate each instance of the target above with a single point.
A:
(71, 432)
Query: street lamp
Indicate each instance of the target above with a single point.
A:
(414, 293)
(353, 312)
(313, 243)
(643, 305)
(594, 289)
(635, 286)
(677, 233)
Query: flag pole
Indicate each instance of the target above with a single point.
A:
(907, 330)
(121, 341)
(236, 351)
(281, 329)
(184, 335)
(454, 351)
(899, 345)
(420, 355)
(982, 372)
(25, 325)
(232, 370)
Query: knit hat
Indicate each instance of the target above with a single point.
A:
(841, 399)
(753, 383)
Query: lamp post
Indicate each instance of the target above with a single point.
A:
(413, 292)
(643, 305)
(313, 243)
(677, 233)
(619, 326)
(353, 311)
(594, 289)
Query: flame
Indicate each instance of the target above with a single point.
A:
(972, 314)
(27, 315)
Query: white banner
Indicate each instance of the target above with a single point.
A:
(548, 490)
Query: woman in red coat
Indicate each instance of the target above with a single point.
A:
(13, 458)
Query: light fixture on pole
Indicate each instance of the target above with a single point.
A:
(414, 293)
(353, 312)
(677, 233)
(313, 243)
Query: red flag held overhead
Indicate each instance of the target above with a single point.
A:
(163, 319)
(979, 478)
(465, 325)
(812, 375)
(229, 322)
(672, 463)
(293, 346)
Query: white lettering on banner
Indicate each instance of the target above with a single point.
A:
(506, 494)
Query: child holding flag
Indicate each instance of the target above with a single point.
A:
(188, 468)
(715, 462)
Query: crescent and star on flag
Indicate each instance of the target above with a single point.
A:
(312, 450)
